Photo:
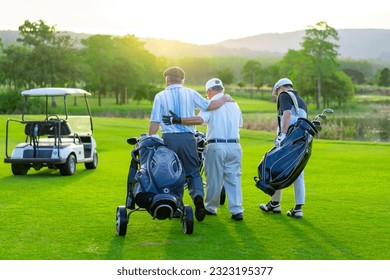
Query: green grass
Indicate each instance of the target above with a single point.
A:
(46, 216)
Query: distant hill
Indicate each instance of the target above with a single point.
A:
(370, 44)
(179, 49)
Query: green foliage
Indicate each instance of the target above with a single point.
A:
(319, 47)
(46, 216)
(337, 88)
(118, 64)
(299, 68)
(121, 66)
(11, 102)
(226, 75)
(15, 67)
(36, 33)
(360, 71)
(315, 70)
(384, 77)
(46, 58)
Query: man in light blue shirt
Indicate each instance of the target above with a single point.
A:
(180, 138)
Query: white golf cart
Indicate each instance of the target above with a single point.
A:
(56, 142)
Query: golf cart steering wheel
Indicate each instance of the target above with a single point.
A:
(52, 118)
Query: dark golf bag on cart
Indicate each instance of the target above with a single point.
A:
(156, 177)
(281, 166)
(155, 183)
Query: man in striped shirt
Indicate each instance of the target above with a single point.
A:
(180, 138)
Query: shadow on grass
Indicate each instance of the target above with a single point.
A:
(315, 239)
(217, 238)
(116, 248)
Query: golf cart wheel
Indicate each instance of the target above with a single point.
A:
(222, 198)
(68, 168)
(121, 220)
(19, 169)
(94, 163)
(188, 220)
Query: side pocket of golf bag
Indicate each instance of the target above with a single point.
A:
(143, 189)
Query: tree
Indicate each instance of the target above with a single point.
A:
(360, 71)
(241, 85)
(384, 77)
(36, 33)
(339, 88)
(356, 75)
(15, 67)
(297, 66)
(119, 64)
(97, 58)
(52, 56)
(226, 75)
(252, 73)
(319, 46)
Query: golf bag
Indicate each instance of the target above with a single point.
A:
(156, 177)
(281, 166)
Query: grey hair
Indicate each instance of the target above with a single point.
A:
(217, 88)
(174, 80)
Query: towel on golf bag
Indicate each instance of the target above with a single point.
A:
(281, 166)
(160, 172)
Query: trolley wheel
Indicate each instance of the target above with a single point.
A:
(222, 198)
(188, 220)
(121, 220)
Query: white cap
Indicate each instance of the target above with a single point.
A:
(214, 82)
(280, 83)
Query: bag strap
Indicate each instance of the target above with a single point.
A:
(295, 102)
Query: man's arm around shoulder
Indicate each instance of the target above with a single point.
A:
(215, 104)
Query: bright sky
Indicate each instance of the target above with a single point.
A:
(194, 21)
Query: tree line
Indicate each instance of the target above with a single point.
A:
(120, 66)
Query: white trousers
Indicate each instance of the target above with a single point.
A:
(222, 165)
(299, 191)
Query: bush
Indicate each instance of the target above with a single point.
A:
(11, 102)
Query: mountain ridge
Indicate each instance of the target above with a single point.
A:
(359, 44)
(354, 43)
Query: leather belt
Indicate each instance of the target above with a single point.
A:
(223, 141)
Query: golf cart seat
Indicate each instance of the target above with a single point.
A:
(56, 132)
(47, 128)
(163, 206)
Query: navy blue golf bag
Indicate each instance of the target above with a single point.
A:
(156, 177)
(281, 166)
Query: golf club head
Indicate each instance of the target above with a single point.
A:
(322, 116)
(132, 140)
(328, 110)
(317, 125)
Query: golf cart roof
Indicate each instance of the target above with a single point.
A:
(55, 92)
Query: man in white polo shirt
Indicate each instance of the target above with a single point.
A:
(223, 153)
